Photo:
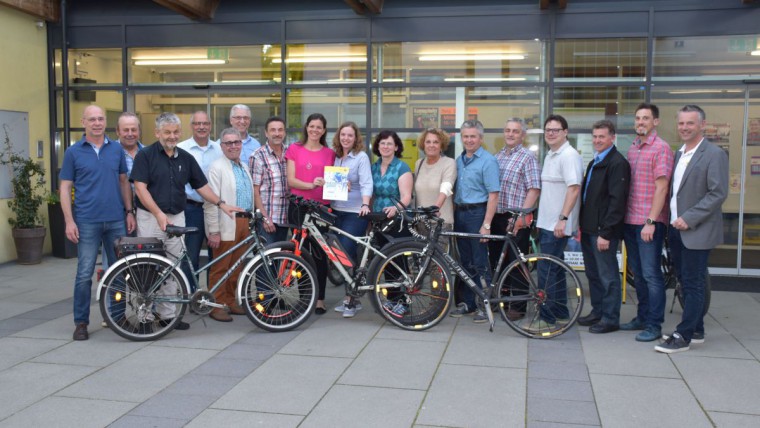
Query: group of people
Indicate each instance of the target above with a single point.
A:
(188, 183)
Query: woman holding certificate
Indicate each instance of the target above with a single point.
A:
(307, 160)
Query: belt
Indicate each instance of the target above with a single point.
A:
(467, 207)
(194, 203)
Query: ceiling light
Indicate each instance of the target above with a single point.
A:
(484, 79)
(180, 62)
(320, 59)
(755, 53)
(472, 57)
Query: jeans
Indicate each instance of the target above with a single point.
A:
(554, 281)
(603, 278)
(280, 234)
(522, 240)
(194, 241)
(691, 270)
(355, 225)
(644, 260)
(91, 237)
(473, 255)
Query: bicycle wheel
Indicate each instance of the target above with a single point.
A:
(398, 299)
(548, 300)
(143, 298)
(708, 293)
(279, 291)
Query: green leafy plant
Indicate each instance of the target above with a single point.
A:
(28, 185)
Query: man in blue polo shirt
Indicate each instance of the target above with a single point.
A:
(95, 167)
(476, 197)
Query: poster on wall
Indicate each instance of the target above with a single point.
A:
(449, 116)
(425, 117)
(754, 165)
(753, 136)
(718, 133)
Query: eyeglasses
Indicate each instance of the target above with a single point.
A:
(202, 123)
(553, 130)
(232, 143)
(241, 118)
(513, 131)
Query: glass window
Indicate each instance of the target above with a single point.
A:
(751, 227)
(325, 63)
(337, 105)
(582, 106)
(110, 101)
(234, 65)
(483, 61)
(706, 58)
(88, 67)
(600, 60)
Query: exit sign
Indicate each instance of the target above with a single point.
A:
(745, 44)
(218, 53)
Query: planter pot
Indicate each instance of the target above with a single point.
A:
(62, 247)
(29, 244)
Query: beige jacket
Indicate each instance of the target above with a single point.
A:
(221, 179)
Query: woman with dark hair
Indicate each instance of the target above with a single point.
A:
(307, 160)
(392, 178)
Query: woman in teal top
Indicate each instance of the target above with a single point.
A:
(392, 178)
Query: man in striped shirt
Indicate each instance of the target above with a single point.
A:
(646, 221)
(270, 181)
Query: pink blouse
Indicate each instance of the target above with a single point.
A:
(310, 165)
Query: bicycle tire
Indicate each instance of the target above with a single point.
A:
(549, 311)
(129, 299)
(279, 291)
(424, 305)
(708, 293)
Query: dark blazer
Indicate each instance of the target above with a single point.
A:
(700, 196)
(603, 211)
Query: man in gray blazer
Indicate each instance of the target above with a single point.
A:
(698, 189)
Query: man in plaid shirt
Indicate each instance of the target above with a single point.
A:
(646, 221)
(520, 181)
(270, 181)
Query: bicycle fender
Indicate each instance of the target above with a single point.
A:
(248, 266)
(130, 257)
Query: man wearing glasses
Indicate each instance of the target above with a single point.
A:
(229, 178)
(558, 209)
(205, 151)
(240, 119)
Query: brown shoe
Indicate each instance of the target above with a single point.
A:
(220, 315)
(235, 309)
(514, 315)
(80, 333)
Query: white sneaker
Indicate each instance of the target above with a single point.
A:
(343, 305)
(349, 312)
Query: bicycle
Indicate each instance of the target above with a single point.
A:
(671, 280)
(277, 289)
(551, 308)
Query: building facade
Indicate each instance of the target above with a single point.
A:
(420, 64)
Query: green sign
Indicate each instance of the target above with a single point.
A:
(218, 53)
(745, 44)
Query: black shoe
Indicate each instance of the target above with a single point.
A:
(320, 311)
(601, 328)
(80, 333)
(589, 319)
(675, 343)
(180, 325)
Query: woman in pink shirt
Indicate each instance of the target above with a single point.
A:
(307, 160)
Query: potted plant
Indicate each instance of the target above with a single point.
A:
(28, 184)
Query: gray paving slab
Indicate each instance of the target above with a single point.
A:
(18, 323)
(633, 401)
(570, 390)
(227, 367)
(539, 424)
(10, 308)
(558, 370)
(203, 385)
(471, 396)
(268, 390)
(720, 343)
(173, 406)
(27, 383)
(131, 421)
(68, 412)
(212, 335)
(15, 350)
(753, 346)
(245, 351)
(734, 420)
(732, 386)
(737, 313)
(473, 344)
(395, 364)
(235, 418)
(139, 375)
(260, 337)
(619, 353)
(562, 411)
(359, 406)
(333, 337)
(51, 311)
(60, 328)
(552, 351)
(100, 351)
(440, 333)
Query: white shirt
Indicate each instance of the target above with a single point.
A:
(562, 168)
(204, 156)
(678, 171)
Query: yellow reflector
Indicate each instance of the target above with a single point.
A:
(578, 292)
(261, 296)
(259, 308)
(533, 259)
(408, 253)
(296, 274)
(385, 292)
(546, 334)
(435, 284)
(417, 326)
(501, 304)
(117, 296)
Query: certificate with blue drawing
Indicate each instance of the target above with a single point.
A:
(336, 183)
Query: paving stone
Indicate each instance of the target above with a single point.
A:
(15, 350)
(538, 424)
(473, 344)
(617, 353)
(556, 352)
(68, 412)
(259, 337)
(227, 367)
(734, 420)
(386, 363)
(562, 411)
(571, 390)
(333, 338)
(173, 406)
(203, 385)
(60, 328)
(244, 351)
(733, 386)
(234, 418)
(346, 405)
(18, 323)
(561, 371)
(212, 335)
(100, 351)
(49, 312)
(440, 333)
(131, 421)
(633, 401)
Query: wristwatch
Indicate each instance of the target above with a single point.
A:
(219, 204)
(486, 226)
(650, 221)
(562, 217)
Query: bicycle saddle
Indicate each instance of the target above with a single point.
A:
(175, 231)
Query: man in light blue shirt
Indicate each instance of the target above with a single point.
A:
(476, 197)
(205, 151)
(241, 119)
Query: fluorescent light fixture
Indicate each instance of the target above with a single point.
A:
(342, 80)
(472, 57)
(705, 91)
(755, 53)
(250, 81)
(320, 59)
(180, 62)
(484, 79)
